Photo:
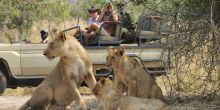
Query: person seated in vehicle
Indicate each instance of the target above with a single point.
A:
(44, 36)
(109, 18)
(92, 25)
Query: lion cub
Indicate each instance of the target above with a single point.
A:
(131, 76)
(111, 100)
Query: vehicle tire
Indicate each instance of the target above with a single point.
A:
(3, 83)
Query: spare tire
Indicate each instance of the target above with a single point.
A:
(3, 83)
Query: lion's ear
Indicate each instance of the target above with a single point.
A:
(102, 80)
(62, 36)
(120, 51)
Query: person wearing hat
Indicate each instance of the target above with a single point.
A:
(108, 14)
(93, 24)
(94, 15)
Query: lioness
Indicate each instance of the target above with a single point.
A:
(60, 87)
(130, 75)
(111, 100)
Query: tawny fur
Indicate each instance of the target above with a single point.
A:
(130, 77)
(111, 100)
(60, 87)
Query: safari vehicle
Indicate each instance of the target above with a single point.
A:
(23, 64)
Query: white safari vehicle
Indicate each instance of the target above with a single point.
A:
(23, 64)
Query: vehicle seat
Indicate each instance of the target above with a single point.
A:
(148, 28)
(104, 39)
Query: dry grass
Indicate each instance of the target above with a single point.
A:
(18, 92)
(29, 90)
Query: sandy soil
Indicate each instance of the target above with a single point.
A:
(13, 102)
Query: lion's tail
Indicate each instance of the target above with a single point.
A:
(25, 106)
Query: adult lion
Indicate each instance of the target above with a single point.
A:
(131, 76)
(111, 100)
(60, 87)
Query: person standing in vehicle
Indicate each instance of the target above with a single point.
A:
(109, 18)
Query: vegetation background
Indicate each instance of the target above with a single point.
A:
(195, 46)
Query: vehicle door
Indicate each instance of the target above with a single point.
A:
(10, 53)
(33, 62)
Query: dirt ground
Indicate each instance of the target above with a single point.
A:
(13, 102)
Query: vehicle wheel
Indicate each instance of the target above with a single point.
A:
(3, 83)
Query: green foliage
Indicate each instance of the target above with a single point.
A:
(20, 12)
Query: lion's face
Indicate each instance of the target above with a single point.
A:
(114, 56)
(102, 87)
(58, 47)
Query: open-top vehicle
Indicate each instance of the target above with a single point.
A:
(23, 64)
